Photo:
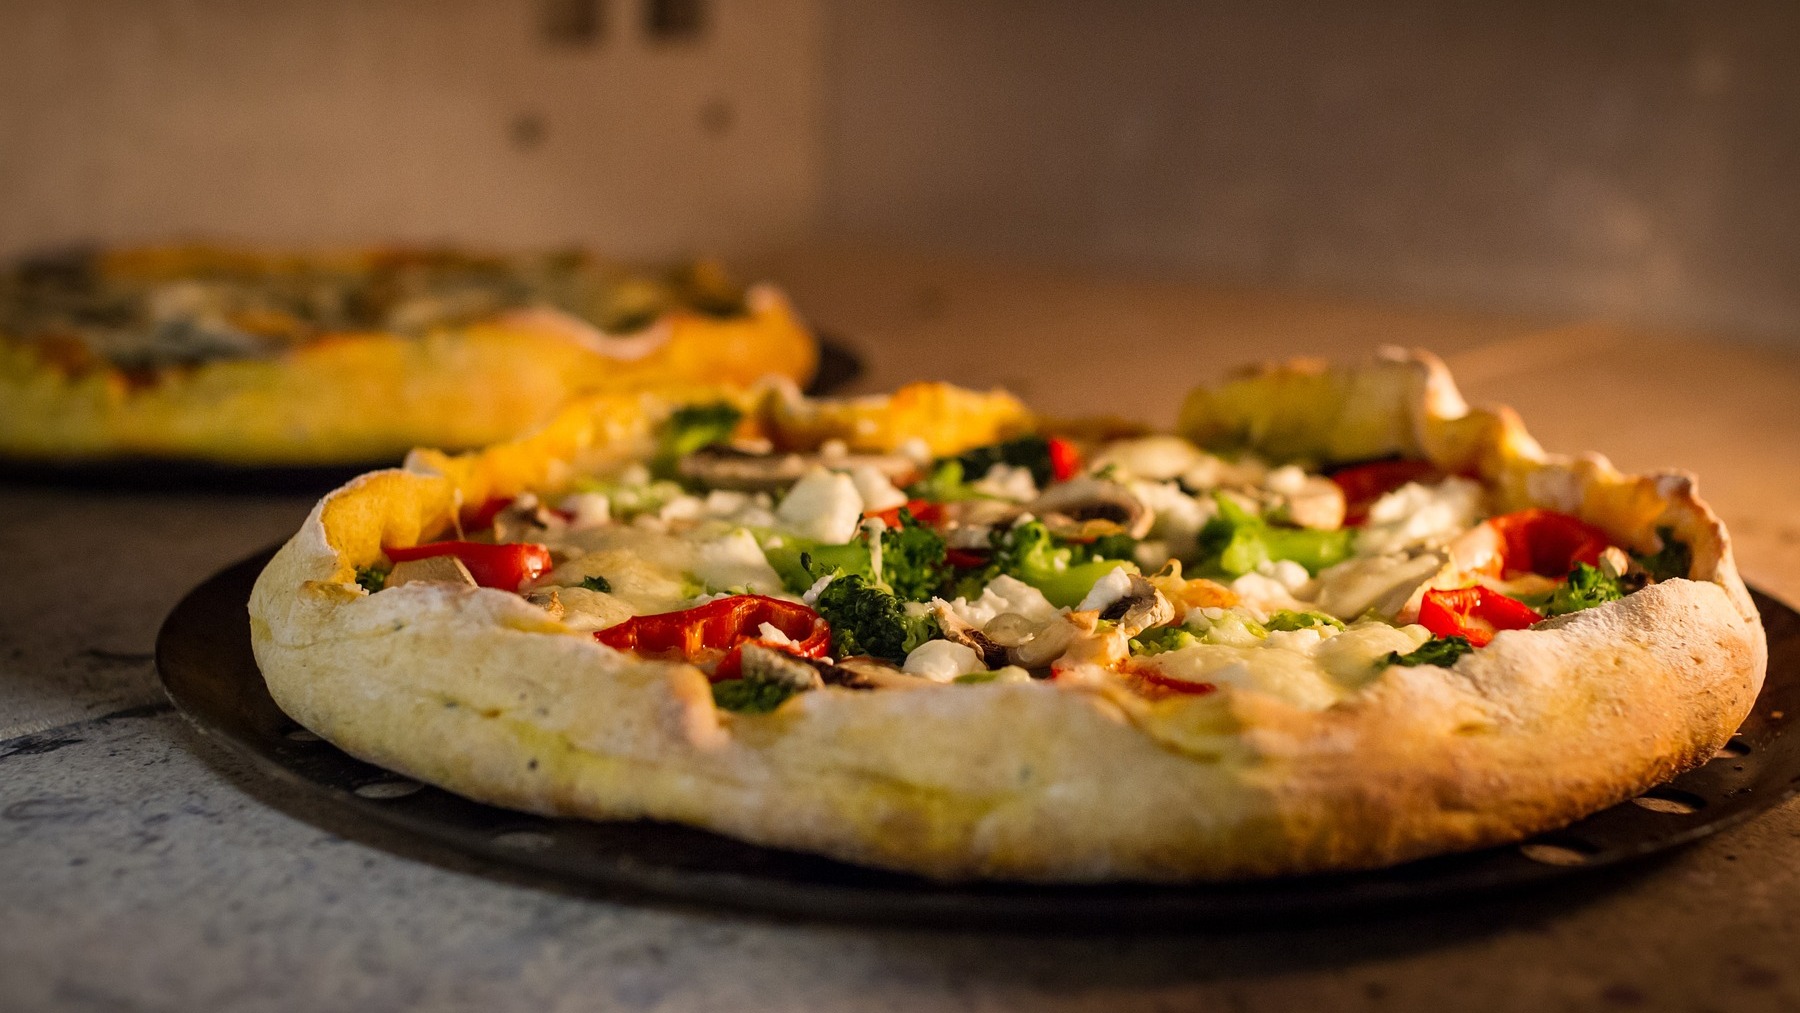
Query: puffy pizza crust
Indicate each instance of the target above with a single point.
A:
(348, 398)
(479, 692)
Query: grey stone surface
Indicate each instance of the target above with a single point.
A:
(143, 868)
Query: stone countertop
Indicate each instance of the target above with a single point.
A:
(143, 868)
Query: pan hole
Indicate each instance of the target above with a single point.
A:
(524, 840)
(1671, 801)
(1732, 750)
(388, 789)
(1562, 851)
(301, 735)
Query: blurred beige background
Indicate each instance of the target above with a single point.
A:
(1634, 161)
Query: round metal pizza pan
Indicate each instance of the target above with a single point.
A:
(838, 366)
(204, 658)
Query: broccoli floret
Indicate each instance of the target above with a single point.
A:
(1674, 559)
(947, 483)
(1030, 553)
(750, 696)
(689, 428)
(372, 578)
(912, 560)
(1441, 652)
(866, 619)
(1586, 587)
(1160, 639)
(1284, 619)
(1237, 541)
(1119, 546)
(596, 584)
(1030, 452)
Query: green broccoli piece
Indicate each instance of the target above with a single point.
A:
(866, 619)
(750, 696)
(690, 428)
(1237, 541)
(1288, 620)
(1120, 546)
(1586, 587)
(372, 578)
(1031, 452)
(600, 584)
(912, 560)
(1160, 639)
(1030, 553)
(1674, 559)
(1441, 652)
(946, 484)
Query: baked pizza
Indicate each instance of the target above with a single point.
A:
(1336, 620)
(236, 357)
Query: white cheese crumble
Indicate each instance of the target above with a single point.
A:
(811, 597)
(587, 509)
(942, 661)
(735, 560)
(823, 506)
(1007, 482)
(1416, 514)
(876, 491)
(1004, 594)
(769, 633)
(1178, 516)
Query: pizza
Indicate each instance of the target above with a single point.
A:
(238, 357)
(1336, 620)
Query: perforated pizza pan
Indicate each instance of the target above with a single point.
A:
(203, 656)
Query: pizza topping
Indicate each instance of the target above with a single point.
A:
(866, 619)
(1474, 613)
(1546, 542)
(712, 635)
(430, 570)
(1365, 485)
(1440, 652)
(1419, 515)
(943, 660)
(1238, 541)
(1671, 560)
(507, 567)
(1586, 587)
(1087, 508)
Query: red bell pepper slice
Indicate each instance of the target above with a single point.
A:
(1547, 542)
(717, 631)
(924, 511)
(505, 566)
(1364, 484)
(1473, 612)
(481, 517)
(967, 559)
(1169, 683)
(1065, 459)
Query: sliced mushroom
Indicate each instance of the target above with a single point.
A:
(1139, 608)
(766, 664)
(431, 570)
(1090, 507)
(547, 599)
(524, 519)
(1046, 646)
(727, 466)
(992, 655)
(864, 672)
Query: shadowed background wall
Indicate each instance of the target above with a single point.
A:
(1637, 161)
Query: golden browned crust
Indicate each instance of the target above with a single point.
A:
(480, 692)
(356, 397)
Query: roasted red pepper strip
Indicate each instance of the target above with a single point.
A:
(1473, 612)
(1548, 543)
(924, 511)
(719, 630)
(1065, 459)
(1173, 685)
(504, 566)
(480, 518)
(967, 559)
(1363, 484)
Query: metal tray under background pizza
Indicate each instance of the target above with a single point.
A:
(838, 366)
(204, 658)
